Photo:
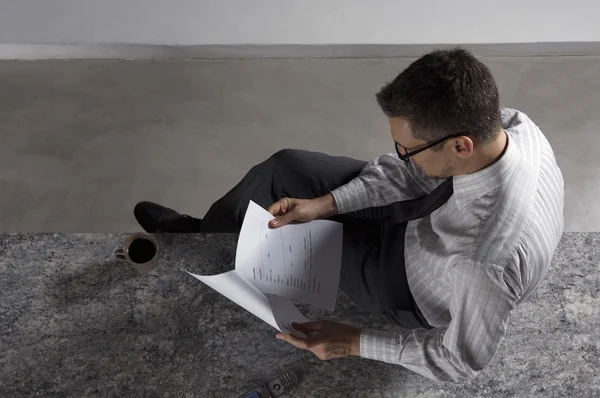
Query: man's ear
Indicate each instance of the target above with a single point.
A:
(463, 146)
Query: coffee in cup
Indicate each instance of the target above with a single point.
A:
(140, 250)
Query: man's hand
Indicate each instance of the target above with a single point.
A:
(329, 340)
(287, 210)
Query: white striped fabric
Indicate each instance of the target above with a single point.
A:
(472, 261)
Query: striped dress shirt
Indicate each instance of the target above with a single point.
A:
(473, 260)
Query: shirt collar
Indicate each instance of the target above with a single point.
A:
(469, 187)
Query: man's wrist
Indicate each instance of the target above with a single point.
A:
(328, 206)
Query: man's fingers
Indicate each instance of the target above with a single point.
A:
(275, 208)
(279, 209)
(285, 219)
(298, 342)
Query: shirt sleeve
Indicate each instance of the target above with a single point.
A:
(480, 307)
(382, 181)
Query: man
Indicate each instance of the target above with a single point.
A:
(445, 236)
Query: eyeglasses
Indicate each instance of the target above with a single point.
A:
(408, 154)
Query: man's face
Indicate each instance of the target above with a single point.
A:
(434, 164)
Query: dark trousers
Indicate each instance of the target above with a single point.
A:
(373, 273)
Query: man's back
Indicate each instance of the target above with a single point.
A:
(544, 220)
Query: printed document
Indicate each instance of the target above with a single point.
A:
(273, 266)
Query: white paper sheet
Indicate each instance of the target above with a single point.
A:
(298, 261)
(278, 312)
(273, 266)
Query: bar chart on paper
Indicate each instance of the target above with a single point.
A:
(286, 259)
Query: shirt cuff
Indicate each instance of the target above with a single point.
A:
(380, 345)
(351, 196)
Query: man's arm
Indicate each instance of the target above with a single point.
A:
(480, 307)
(383, 180)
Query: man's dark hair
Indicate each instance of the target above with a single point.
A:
(443, 93)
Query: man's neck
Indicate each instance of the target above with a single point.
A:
(489, 154)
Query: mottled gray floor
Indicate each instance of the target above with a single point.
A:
(77, 323)
(82, 141)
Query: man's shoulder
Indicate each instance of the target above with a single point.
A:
(514, 120)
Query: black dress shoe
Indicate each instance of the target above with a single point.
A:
(156, 218)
